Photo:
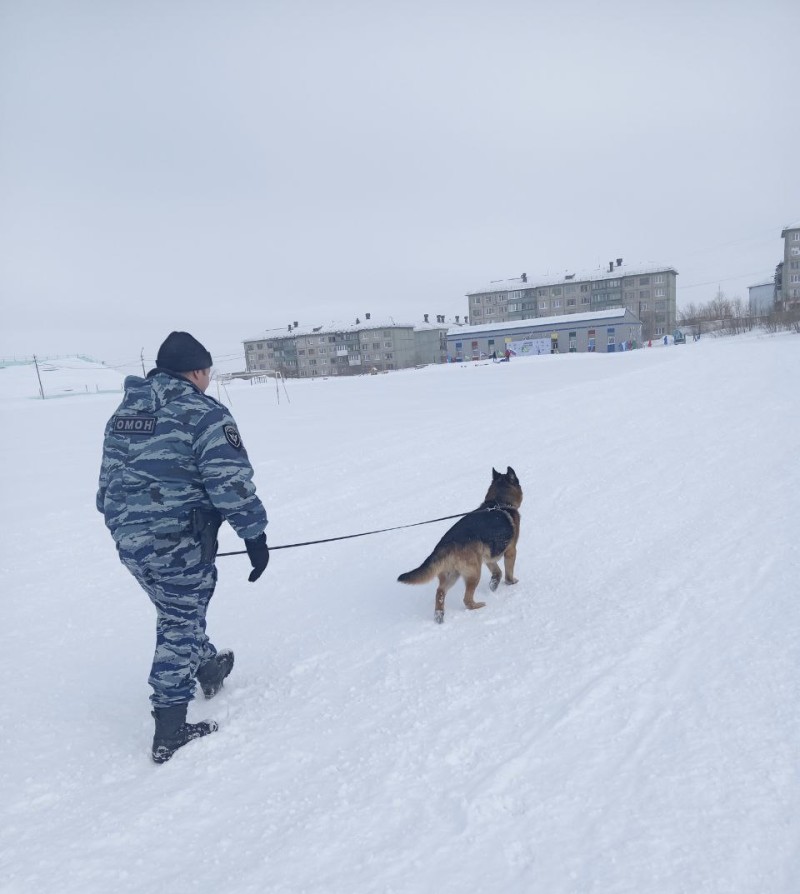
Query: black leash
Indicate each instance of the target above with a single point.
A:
(430, 521)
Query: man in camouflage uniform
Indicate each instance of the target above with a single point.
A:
(174, 468)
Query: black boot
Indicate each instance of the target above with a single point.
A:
(172, 731)
(212, 674)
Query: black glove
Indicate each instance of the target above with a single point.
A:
(258, 552)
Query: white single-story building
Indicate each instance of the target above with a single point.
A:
(603, 331)
(761, 298)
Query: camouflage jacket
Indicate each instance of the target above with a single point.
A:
(168, 449)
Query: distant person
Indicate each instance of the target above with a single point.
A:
(174, 468)
(508, 355)
(666, 340)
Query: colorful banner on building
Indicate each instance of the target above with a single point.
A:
(529, 346)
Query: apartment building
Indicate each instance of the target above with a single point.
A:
(788, 278)
(648, 292)
(347, 349)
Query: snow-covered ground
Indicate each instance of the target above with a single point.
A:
(625, 719)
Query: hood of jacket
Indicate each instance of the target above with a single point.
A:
(158, 389)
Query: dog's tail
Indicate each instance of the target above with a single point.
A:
(426, 571)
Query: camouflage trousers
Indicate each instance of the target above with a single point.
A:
(180, 585)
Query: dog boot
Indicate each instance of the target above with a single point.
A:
(213, 673)
(173, 732)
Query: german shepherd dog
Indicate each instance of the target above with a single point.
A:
(490, 531)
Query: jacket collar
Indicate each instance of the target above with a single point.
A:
(158, 370)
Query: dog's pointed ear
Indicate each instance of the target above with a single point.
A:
(512, 475)
(495, 474)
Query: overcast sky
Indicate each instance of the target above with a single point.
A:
(229, 167)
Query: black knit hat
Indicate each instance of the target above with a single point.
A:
(182, 352)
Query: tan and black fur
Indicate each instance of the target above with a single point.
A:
(481, 536)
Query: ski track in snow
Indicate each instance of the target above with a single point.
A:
(624, 719)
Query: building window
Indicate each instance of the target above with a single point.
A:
(556, 302)
(573, 342)
(571, 302)
(542, 305)
(795, 277)
(796, 237)
(592, 335)
(644, 280)
(660, 277)
(556, 291)
(660, 293)
(584, 299)
(642, 305)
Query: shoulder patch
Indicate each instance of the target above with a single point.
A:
(134, 425)
(232, 436)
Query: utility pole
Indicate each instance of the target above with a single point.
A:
(38, 376)
(141, 357)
